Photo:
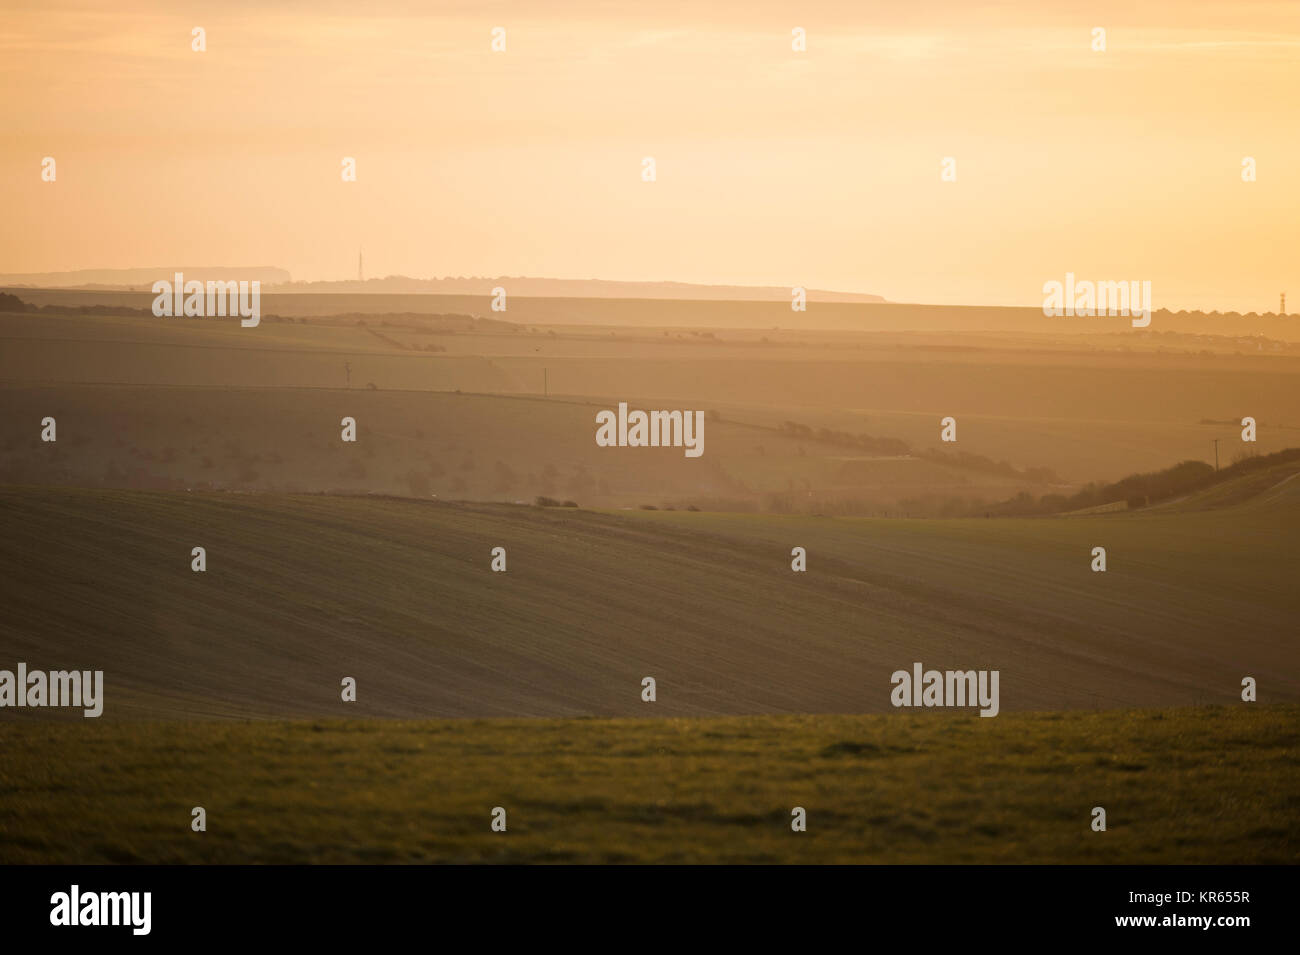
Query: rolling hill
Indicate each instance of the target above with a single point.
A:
(301, 591)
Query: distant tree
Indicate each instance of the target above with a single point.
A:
(12, 303)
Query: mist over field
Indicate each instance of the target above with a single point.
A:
(173, 432)
(491, 407)
(476, 430)
(697, 436)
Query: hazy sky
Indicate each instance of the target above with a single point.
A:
(774, 167)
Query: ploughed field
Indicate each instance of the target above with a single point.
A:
(300, 592)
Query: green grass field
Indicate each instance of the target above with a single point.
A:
(1192, 785)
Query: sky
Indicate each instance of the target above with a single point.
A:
(773, 167)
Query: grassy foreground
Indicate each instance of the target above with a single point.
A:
(1193, 785)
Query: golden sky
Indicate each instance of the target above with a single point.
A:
(819, 169)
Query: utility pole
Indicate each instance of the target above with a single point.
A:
(1282, 308)
(1216, 455)
(546, 385)
(347, 367)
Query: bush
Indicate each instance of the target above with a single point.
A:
(12, 303)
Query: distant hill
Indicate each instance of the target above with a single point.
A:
(577, 288)
(281, 281)
(1191, 485)
(1272, 485)
(144, 278)
(1254, 332)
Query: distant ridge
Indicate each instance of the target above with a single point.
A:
(144, 278)
(575, 288)
(279, 280)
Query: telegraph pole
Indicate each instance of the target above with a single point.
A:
(1216, 455)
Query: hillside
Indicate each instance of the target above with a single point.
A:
(1088, 409)
(682, 306)
(1266, 489)
(301, 591)
(444, 445)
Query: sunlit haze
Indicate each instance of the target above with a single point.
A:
(774, 167)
